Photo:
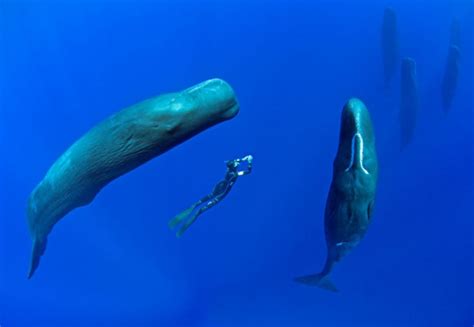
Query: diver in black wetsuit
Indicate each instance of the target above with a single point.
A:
(218, 193)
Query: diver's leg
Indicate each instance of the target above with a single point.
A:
(191, 220)
(184, 214)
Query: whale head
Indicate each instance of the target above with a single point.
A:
(356, 150)
(195, 109)
(212, 101)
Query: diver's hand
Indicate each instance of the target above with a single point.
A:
(248, 158)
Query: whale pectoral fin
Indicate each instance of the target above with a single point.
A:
(39, 246)
(320, 280)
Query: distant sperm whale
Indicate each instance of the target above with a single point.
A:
(389, 44)
(409, 101)
(351, 197)
(455, 33)
(451, 76)
(118, 145)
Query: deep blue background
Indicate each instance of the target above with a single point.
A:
(65, 66)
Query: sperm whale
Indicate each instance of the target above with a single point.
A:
(351, 197)
(409, 101)
(118, 145)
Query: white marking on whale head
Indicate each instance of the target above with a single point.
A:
(357, 136)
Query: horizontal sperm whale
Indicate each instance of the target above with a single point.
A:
(351, 198)
(120, 144)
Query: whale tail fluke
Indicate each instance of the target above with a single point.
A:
(320, 280)
(39, 246)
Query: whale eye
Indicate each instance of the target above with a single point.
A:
(370, 209)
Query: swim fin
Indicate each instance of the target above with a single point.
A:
(187, 225)
(180, 217)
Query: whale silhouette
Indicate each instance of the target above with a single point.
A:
(451, 76)
(409, 101)
(390, 48)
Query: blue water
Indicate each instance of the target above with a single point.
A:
(67, 65)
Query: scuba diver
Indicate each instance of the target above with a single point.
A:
(221, 189)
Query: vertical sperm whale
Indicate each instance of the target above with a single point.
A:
(451, 76)
(351, 197)
(455, 33)
(120, 144)
(389, 45)
(409, 101)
